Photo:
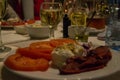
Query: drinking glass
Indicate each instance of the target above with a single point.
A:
(101, 8)
(3, 6)
(112, 37)
(51, 14)
(78, 17)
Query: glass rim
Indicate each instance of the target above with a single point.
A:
(52, 3)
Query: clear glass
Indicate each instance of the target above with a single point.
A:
(113, 28)
(78, 17)
(101, 8)
(51, 15)
(3, 6)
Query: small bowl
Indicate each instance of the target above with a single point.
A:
(20, 29)
(20, 26)
(38, 32)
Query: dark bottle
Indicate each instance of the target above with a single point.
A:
(66, 24)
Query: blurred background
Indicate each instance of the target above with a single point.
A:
(22, 10)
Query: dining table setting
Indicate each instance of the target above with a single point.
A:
(112, 71)
(69, 40)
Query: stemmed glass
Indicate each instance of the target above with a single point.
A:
(51, 14)
(3, 6)
(78, 18)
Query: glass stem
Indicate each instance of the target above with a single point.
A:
(51, 36)
(1, 43)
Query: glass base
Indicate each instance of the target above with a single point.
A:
(5, 49)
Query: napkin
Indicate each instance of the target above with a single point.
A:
(12, 37)
(17, 7)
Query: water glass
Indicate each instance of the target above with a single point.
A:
(113, 28)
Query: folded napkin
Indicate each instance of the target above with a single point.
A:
(12, 37)
(17, 7)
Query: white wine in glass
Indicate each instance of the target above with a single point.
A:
(79, 13)
(3, 6)
(78, 18)
(51, 14)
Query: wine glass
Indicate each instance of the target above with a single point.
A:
(78, 18)
(51, 14)
(3, 6)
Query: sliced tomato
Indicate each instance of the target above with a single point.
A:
(33, 53)
(22, 63)
(43, 50)
(43, 44)
(58, 42)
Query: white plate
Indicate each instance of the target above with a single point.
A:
(53, 74)
(101, 36)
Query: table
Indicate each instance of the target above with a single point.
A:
(7, 75)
